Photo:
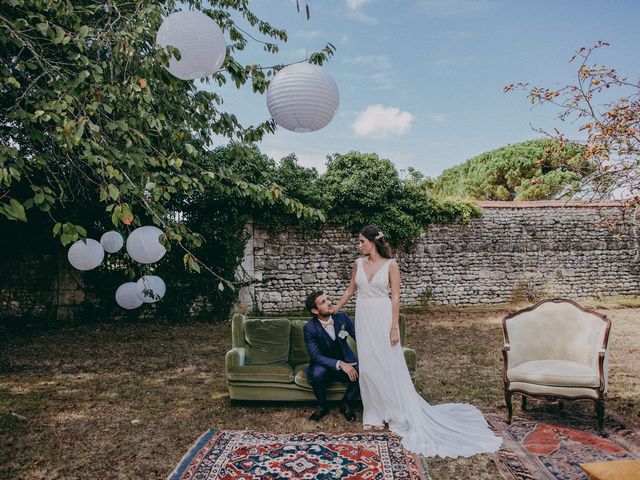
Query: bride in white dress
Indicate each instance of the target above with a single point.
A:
(388, 395)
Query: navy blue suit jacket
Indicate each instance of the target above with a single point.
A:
(322, 349)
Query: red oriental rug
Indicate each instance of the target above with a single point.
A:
(234, 454)
(548, 444)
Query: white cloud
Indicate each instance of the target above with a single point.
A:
(362, 17)
(355, 4)
(356, 14)
(378, 121)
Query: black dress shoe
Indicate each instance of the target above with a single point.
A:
(348, 413)
(319, 415)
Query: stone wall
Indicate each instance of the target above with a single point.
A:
(514, 250)
(40, 287)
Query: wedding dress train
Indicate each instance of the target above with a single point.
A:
(388, 394)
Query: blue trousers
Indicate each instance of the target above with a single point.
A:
(320, 377)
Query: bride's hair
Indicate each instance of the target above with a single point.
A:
(373, 233)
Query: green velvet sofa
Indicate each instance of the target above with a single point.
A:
(268, 359)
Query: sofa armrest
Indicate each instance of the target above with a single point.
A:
(234, 358)
(411, 358)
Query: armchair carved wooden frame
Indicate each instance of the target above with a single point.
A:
(556, 350)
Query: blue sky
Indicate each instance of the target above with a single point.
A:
(421, 81)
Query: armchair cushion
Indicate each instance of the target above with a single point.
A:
(281, 373)
(554, 372)
(267, 341)
(546, 390)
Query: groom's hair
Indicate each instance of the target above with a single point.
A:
(310, 302)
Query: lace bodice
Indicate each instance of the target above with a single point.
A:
(379, 285)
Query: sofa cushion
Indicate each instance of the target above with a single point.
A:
(281, 373)
(300, 379)
(298, 350)
(267, 341)
(554, 372)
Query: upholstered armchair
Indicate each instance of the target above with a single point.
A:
(557, 350)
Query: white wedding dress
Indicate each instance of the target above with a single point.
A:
(388, 395)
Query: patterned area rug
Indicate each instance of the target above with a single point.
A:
(550, 444)
(234, 454)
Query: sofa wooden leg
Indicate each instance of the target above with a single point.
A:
(507, 397)
(524, 403)
(600, 413)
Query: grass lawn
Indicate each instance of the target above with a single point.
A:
(128, 400)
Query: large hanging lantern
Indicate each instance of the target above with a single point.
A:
(150, 288)
(111, 241)
(303, 98)
(85, 254)
(143, 245)
(199, 40)
(127, 296)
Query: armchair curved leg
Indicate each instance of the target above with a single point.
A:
(507, 397)
(524, 403)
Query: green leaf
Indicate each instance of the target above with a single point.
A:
(114, 192)
(193, 264)
(43, 28)
(16, 210)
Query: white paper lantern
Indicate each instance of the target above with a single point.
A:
(111, 241)
(127, 296)
(153, 283)
(200, 41)
(303, 98)
(143, 245)
(85, 254)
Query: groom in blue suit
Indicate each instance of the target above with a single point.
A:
(331, 358)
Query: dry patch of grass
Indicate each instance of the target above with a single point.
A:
(127, 401)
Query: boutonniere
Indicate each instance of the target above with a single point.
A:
(343, 333)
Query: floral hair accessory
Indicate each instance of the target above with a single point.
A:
(380, 235)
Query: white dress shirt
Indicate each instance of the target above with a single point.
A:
(331, 331)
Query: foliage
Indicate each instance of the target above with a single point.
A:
(221, 221)
(532, 170)
(90, 115)
(606, 107)
(361, 188)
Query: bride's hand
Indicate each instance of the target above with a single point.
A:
(395, 336)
